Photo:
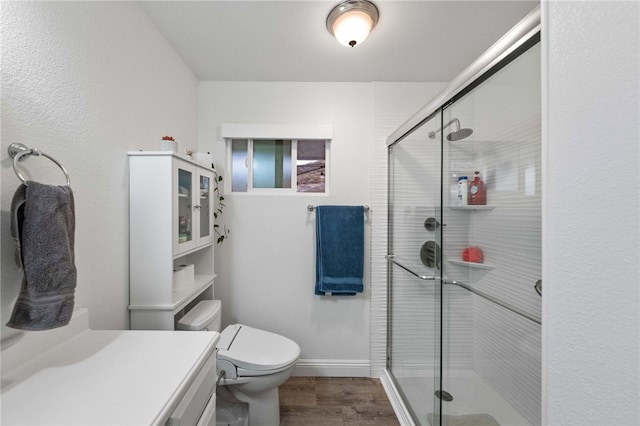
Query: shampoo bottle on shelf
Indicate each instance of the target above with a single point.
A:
(477, 191)
(463, 190)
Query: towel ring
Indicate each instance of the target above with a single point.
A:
(18, 150)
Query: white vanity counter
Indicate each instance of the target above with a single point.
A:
(78, 376)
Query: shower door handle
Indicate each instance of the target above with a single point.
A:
(538, 287)
(391, 258)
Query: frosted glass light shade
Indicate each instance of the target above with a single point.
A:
(351, 21)
(352, 28)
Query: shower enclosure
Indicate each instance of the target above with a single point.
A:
(464, 258)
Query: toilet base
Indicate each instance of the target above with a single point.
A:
(230, 411)
(264, 408)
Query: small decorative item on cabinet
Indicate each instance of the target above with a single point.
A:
(168, 143)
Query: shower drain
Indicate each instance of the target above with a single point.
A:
(444, 395)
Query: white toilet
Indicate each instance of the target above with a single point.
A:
(255, 362)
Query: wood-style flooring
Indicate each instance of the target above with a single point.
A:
(335, 401)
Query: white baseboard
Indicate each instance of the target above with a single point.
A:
(333, 368)
(396, 400)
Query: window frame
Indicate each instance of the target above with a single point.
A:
(293, 190)
(294, 133)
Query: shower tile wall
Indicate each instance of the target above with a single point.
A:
(505, 115)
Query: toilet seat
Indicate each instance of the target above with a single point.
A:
(256, 352)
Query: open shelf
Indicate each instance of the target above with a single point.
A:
(182, 295)
(471, 264)
(472, 207)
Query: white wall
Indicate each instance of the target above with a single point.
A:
(266, 269)
(85, 82)
(591, 234)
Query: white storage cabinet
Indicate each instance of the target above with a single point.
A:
(170, 225)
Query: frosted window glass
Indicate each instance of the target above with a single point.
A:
(239, 165)
(272, 164)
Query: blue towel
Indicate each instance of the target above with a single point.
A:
(339, 250)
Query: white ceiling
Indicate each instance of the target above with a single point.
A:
(288, 41)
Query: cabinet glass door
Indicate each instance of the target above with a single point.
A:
(185, 208)
(205, 206)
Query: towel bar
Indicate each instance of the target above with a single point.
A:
(311, 207)
(18, 150)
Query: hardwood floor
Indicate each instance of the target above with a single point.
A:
(335, 401)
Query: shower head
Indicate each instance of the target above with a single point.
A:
(459, 134)
(456, 135)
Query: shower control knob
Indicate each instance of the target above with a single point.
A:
(431, 224)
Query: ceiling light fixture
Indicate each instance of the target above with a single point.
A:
(351, 21)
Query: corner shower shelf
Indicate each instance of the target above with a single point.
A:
(472, 207)
(471, 264)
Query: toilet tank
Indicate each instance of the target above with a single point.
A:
(204, 316)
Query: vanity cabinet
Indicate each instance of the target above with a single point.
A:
(74, 375)
(171, 243)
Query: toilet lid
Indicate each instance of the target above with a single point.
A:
(254, 349)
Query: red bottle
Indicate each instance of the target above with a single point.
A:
(477, 191)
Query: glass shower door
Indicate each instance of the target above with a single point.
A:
(465, 253)
(492, 248)
(415, 247)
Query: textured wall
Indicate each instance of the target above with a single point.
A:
(85, 82)
(591, 229)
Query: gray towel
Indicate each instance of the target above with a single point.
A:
(43, 227)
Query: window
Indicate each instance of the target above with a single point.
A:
(279, 165)
(311, 166)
